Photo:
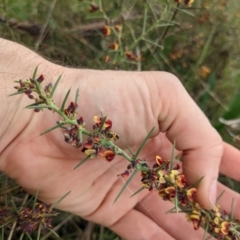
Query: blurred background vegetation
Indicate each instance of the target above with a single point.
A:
(197, 42)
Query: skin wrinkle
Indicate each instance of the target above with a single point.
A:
(97, 185)
(165, 118)
(146, 101)
(114, 215)
(144, 233)
(91, 215)
(153, 91)
(5, 150)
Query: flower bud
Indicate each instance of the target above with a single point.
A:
(40, 78)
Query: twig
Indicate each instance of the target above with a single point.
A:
(43, 29)
(168, 27)
(15, 223)
(58, 226)
(88, 231)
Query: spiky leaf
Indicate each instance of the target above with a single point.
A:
(138, 191)
(82, 162)
(58, 201)
(65, 99)
(52, 128)
(55, 86)
(35, 73)
(77, 95)
(143, 143)
(126, 184)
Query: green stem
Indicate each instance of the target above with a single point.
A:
(51, 105)
(149, 29)
(117, 149)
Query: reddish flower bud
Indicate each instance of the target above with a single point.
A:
(31, 96)
(124, 175)
(118, 28)
(89, 144)
(28, 92)
(93, 8)
(106, 59)
(97, 119)
(159, 160)
(109, 155)
(114, 46)
(71, 108)
(138, 58)
(68, 138)
(48, 88)
(40, 78)
(106, 30)
(129, 55)
(189, 2)
(80, 121)
(108, 124)
(31, 85)
(225, 226)
(97, 138)
(191, 194)
(22, 84)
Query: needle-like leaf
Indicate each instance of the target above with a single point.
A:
(206, 231)
(82, 162)
(55, 86)
(143, 143)
(102, 124)
(77, 95)
(176, 201)
(33, 104)
(196, 184)
(14, 206)
(138, 191)
(21, 237)
(232, 209)
(58, 201)
(35, 73)
(126, 184)
(39, 231)
(220, 195)
(28, 235)
(173, 210)
(52, 128)
(130, 150)
(53, 232)
(37, 106)
(35, 199)
(172, 156)
(65, 99)
(16, 93)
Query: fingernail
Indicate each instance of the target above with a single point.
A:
(213, 193)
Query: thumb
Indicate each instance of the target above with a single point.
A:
(199, 142)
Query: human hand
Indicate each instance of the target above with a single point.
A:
(135, 102)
